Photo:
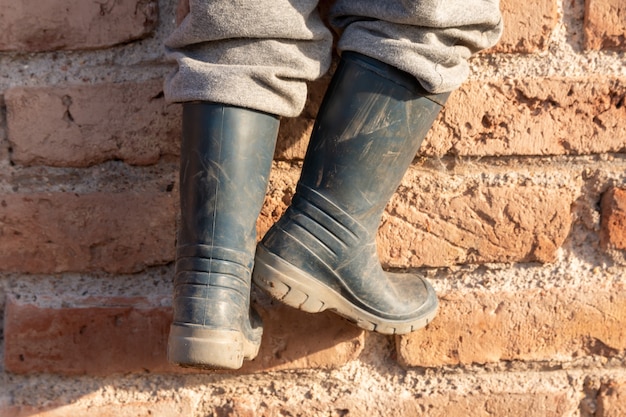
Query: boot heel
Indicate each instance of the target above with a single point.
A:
(208, 348)
(282, 281)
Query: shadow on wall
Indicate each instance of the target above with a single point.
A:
(103, 336)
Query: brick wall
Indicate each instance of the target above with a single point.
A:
(515, 209)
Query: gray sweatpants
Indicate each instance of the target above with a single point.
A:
(259, 54)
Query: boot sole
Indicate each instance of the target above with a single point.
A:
(297, 289)
(203, 348)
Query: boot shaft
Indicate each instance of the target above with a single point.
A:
(226, 156)
(369, 127)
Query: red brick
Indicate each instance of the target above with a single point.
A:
(82, 125)
(59, 232)
(546, 116)
(605, 24)
(107, 337)
(32, 25)
(527, 25)
(612, 399)
(529, 325)
(613, 224)
(101, 336)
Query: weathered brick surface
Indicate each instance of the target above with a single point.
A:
(58, 232)
(107, 337)
(443, 225)
(527, 25)
(613, 224)
(444, 400)
(612, 399)
(529, 325)
(549, 116)
(103, 336)
(32, 25)
(84, 408)
(605, 24)
(82, 125)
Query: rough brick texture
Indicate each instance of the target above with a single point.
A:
(100, 336)
(32, 25)
(527, 25)
(293, 339)
(113, 232)
(88, 124)
(155, 408)
(532, 117)
(613, 231)
(530, 325)
(443, 224)
(612, 399)
(545, 404)
(605, 24)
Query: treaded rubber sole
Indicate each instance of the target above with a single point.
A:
(198, 347)
(300, 290)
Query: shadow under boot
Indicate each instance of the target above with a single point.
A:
(321, 255)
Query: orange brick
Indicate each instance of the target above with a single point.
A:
(445, 402)
(59, 232)
(101, 336)
(612, 399)
(530, 325)
(83, 408)
(83, 125)
(613, 224)
(31, 25)
(546, 116)
(528, 117)
(442, 223)
(527, 25)
(605, 24)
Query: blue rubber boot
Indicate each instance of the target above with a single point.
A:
(321, 255)
(226, 157)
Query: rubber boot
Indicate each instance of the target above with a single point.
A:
(321, 254)
(226, 156)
